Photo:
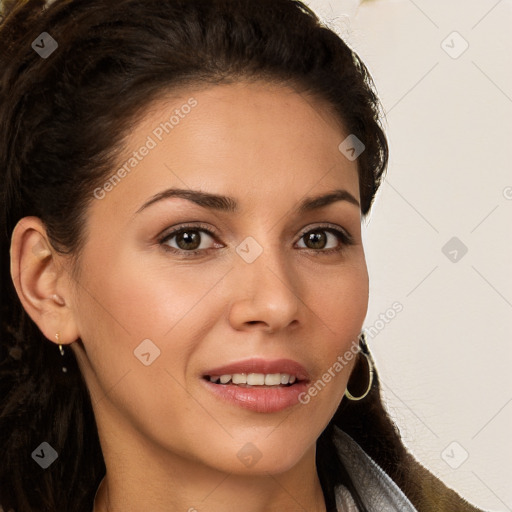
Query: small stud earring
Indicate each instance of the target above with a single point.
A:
(57, 337)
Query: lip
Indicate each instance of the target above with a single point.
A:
(259, 365)
(258, 398)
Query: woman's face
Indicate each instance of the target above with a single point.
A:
(155, 319)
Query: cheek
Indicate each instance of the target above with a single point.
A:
(339, 297)
(138, 299)
(129, 299)
(340, 302)
(124, 304)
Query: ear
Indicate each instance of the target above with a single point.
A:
(42, 281)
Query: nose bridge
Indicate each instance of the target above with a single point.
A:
(267, 285)
(263, 259)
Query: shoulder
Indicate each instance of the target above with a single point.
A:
(380, 491)
(435, 491)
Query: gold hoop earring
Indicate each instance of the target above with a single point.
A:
(370, 381)
(57, 337)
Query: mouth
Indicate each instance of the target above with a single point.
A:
(258, 385)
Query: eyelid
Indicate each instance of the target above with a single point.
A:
(326, 226)
(187, 225)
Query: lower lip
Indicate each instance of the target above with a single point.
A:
(259, 399)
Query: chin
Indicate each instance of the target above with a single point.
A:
(262, 458)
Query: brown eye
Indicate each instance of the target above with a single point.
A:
(317, 239)
(187, 240)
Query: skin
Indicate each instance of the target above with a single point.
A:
(168, 444)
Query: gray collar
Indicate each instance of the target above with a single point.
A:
(376, 488)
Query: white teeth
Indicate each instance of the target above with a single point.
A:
(255, 379)
(239, 378)
(273, 379)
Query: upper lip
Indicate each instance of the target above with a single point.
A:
(259, 365)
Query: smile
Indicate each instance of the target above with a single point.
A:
(257, 384)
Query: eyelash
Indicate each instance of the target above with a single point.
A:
(345, 238)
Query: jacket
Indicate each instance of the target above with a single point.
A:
(377, 489)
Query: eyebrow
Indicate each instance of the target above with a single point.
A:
(230, 205)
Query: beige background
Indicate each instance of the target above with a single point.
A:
(445, 358)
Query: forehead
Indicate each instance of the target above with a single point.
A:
(265, 144)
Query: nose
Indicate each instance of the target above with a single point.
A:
(266, 294)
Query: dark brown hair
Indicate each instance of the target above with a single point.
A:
(63, 120)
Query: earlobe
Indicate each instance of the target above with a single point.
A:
(41, 281)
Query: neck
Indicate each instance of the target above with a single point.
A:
(215, 492)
